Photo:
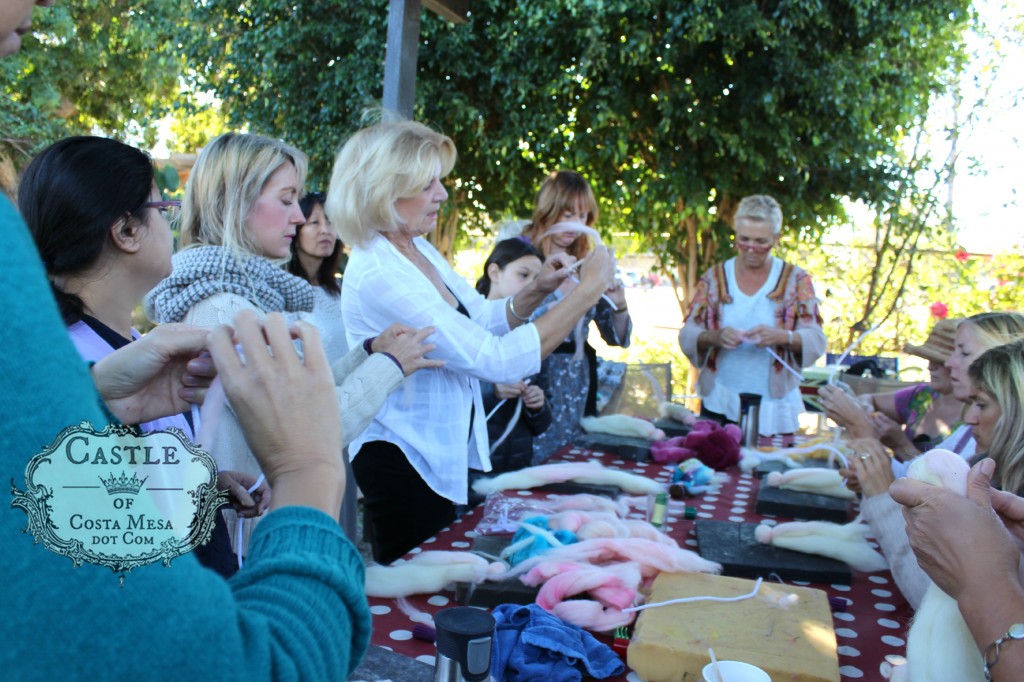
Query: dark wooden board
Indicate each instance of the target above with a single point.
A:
(490, 594)
(636, 449)
(380, 664)
(671, 427)
(576, 488)
(797, 505)
(733, 545)
(767, 467)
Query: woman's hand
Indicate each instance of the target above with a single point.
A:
(287, 408)
(237, 484)
(891, 434)
(958, 539)
(765, 335)
(617, 293)
(598, 270)
(846, 412)
(533, 398)
(556, 270)
(406, 345)
(161, 374)
(509, 391)
(871, 466)
(726, 337)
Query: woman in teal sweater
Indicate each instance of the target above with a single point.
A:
(296, 611)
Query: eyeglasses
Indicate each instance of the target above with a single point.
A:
(170, 210)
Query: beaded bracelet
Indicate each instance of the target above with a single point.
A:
(512, 309)
(991, 653)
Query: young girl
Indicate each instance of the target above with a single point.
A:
(511, 266)
(239, 218)
(566, 197)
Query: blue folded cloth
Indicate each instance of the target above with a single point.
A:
(532, 645)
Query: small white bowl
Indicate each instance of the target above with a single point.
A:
(735, 671)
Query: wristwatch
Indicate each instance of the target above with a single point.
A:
(991, 652)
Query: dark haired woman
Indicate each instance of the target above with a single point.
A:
(316, 254)
(104, 234)
(512, 265)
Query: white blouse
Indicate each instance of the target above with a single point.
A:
(748, 368)
(429, 416)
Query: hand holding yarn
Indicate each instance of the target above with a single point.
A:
(556, 269)
(871, 466)
(533, 398)
(948, 531)
(237, 483)
(764, 335)
(509, 391)
(727, 338)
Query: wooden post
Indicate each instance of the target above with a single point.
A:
(400, 58)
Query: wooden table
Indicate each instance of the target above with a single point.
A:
(873, 626)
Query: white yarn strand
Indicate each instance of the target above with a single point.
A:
(238, 534)
(687, 600)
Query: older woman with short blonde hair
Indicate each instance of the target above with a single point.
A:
(412, 461)
(753, 325)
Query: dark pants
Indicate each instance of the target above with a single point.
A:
(218, 554)
(401, 509)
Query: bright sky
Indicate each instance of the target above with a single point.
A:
(991, 164)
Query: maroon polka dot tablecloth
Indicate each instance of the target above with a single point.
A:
(872, 627)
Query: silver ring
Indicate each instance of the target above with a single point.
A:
(864, 457)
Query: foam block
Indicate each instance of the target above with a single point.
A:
(796, 644)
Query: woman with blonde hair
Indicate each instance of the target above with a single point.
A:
(995, 412)
(565, 199)
(239, 218)
(874, 471)
(412, 463)
(753, 324)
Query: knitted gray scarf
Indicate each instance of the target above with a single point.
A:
(202, 271)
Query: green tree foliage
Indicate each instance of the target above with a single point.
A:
(95, 65)
(673, 110)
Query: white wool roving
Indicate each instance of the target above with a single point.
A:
(622, 425)
(429, 572)
(582, 472)
(940, 647)
(811, 480)
(678, 412)
(847, 542)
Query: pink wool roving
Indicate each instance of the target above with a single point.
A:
(715, 446)
(652, 557)
(671, 451)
